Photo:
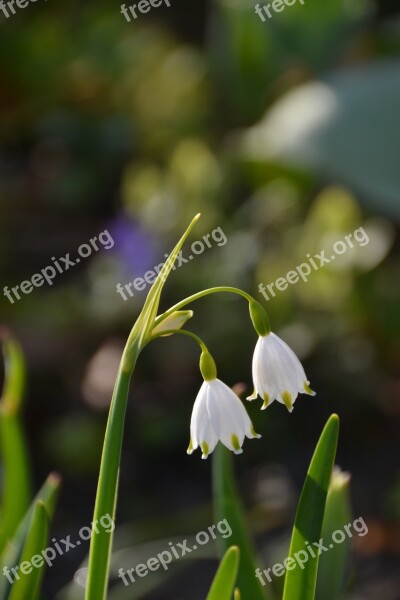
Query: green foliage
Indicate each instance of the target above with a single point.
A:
(24, 538)
(27, 587)
(300, 583)
(227, 506)
(328, 127)
(16, 488)
(93, 109)
(224, 581)
(332, 565)
(24, 528)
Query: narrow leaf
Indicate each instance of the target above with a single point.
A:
(11, 557)
(16, 485)
(332, 565)
(225, 577)
(28, 577)
(227, 506)
(300, 581)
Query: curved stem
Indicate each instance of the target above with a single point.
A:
(190, 334)
(208, 368)
(201, 294)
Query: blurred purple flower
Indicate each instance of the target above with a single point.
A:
(136, 249)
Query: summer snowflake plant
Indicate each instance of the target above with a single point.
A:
(218, 415)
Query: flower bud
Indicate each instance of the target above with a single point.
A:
(176, 320)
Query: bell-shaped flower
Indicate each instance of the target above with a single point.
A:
(277, 372)
(219, 415)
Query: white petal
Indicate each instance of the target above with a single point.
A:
(277, 372)
(288, 372)
(293, 362)
(260, 384)
(228, 416)
(218, 414)
(201, 430)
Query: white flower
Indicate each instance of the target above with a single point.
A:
(218, 414)
(277, 372)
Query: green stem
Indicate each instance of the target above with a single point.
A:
(107, 488)
(208, 367)
(201, 294)
(190, 334)
(106, 496)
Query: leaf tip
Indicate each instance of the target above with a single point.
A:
(334, 420)
(54, 479)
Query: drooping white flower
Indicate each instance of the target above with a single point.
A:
(219, 415)
(277, 372)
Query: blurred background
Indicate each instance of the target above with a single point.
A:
(286, 134)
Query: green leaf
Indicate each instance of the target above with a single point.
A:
(11, 557)
(14, 384)
(225, 577)
(27, 586)
(300, 582)
(227, 506)
(341, 128)
(332, 565)
(106, 497)
(16, 488)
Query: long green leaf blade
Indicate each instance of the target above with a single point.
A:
(300, 583)
(27, 585)
(332, 565)
(224, 581)
(11, 557)
(227, 506)
(16, 485)
(107, 488)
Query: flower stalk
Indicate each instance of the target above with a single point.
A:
(107, 489)
(218, 413)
